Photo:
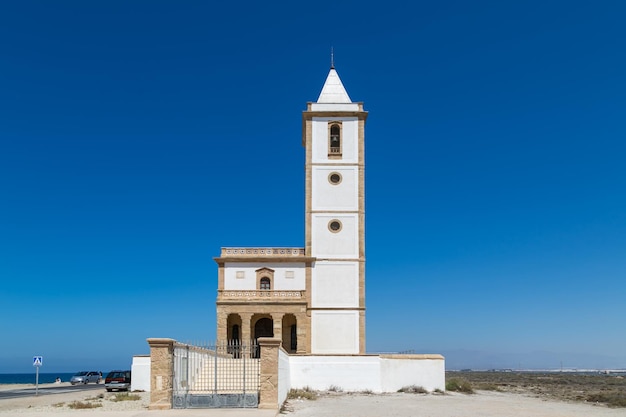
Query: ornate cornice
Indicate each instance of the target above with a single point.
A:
(263, 255)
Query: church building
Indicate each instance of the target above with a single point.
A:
(311, 297)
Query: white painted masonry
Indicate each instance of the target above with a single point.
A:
(340, 197)
(248, 280)
(384, 373)
(335, 284)
(349, 136)
(140, 373)
(326, 244)
(284, 376)
(336, 332)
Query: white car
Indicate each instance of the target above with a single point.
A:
(85, 377)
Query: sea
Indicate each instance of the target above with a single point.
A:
(44, 378)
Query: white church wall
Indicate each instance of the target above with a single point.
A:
(326, 244)
(335, 284)
(242, 276)
(140, 371)
(342, 196)
(349, 140)
(335, 332)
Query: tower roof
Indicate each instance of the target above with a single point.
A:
(333, 90)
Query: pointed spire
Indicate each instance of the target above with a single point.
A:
(332, 58)
(333, 90)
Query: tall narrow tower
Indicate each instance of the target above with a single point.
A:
(333, 135)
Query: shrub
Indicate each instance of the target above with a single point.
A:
(610, 399)
(459, 385)
(413, 389)
(334, 388)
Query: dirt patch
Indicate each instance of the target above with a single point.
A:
(606, 389)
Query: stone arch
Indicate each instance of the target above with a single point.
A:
(262, 326)
(233, 327)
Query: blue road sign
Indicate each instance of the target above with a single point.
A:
(37, 360)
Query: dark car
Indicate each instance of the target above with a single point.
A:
(119, 380)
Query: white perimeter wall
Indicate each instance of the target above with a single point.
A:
(140, 373)
(397, 373)
(284, 376)
(361, 373)
(350, 373)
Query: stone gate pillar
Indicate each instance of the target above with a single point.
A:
(268, 394)
(161, 373)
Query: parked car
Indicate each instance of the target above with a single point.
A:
(86, 377)
(119, 380)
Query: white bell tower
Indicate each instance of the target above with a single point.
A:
(333, 135)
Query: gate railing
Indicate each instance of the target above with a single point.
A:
(215, 375)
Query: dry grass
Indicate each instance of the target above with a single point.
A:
(125, 396)
(303, 393)
(79, 405)
(609, 390)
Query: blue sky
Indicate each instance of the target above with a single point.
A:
(138, 137)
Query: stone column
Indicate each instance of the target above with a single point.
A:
(278, 325)
(161, 373)
(246, 332)
(268, 395)
(222, 325)
(302, 332)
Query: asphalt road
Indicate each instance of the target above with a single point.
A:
(31, 392)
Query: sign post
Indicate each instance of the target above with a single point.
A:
(37, 362)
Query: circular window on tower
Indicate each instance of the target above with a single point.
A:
(334, 178)
(334, 226)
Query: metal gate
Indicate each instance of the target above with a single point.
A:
(216, 375)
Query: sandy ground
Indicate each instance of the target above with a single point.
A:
(482, 404)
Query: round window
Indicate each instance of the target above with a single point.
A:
(334, 226)
(334, 178)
